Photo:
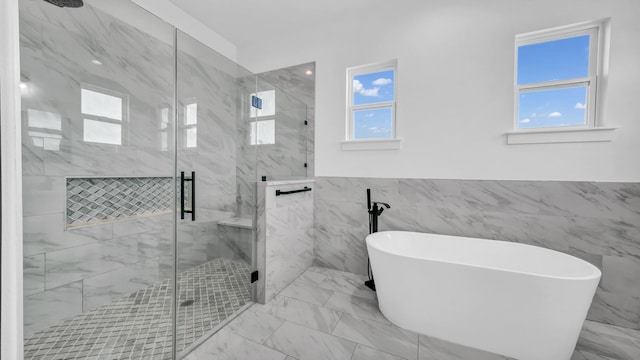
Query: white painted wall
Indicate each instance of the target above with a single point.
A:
(455, 89)
(175, 16)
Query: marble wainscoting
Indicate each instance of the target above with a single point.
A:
(598, 222)
(285, 234)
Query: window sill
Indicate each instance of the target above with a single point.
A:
(560, 136)
(371, 144)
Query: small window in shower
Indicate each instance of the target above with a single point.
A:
(103, 114)
(45, 129)
(190, 126)
(372, 100)
(164, 129)
(263, 125)
(263, 132)
(268, 104)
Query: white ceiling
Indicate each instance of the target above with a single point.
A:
(246, 21)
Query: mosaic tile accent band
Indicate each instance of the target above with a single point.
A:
(99, 200)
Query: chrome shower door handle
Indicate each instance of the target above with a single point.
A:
(192, 209)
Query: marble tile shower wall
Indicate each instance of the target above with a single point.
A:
(211, 81)
(286, 158)
(293, 81)
(598, 222)
(246, 176)
(283, 160)
(68, 272)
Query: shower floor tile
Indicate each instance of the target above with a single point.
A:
(362, 331)
(139, 326)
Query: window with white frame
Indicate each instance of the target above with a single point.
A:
(557, 72)
(104, 113)
(263, 126)
(371, 103)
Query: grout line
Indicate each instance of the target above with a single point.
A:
(382, 351)
(337, 322)
(353, 353)
(270, 336)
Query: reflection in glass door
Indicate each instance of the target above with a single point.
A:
(215, 238)
(98, 182)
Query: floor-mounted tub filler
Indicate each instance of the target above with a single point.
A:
(511, 299)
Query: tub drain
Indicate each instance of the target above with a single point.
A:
(187, 303)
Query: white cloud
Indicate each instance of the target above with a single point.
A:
(580, 106)
(382, 82)
(377, 130)
(360, 89)
(555, 114)
(525, 121)
(369, 115)
(357, 86)
(534, 115)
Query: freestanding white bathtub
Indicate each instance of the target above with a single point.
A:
(511, 299)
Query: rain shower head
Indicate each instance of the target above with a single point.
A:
(66, 3)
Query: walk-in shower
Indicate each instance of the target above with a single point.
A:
(113, 112)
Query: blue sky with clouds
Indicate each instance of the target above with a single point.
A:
(549, 61)
(370, 89)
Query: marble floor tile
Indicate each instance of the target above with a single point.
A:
(306, 344)
(388, 338)
(348, 286)
(226, 345)
(435, 349)
(303, 313)
(255, 325)
(367, 353)
(308, 293)
(311, 278)
(586, 355)
(337, 273)
(357, 306)
(371, 336)
(610, 343)
(612, 331)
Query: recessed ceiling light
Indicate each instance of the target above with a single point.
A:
(23, 86)
(96, 62)
(308, 72)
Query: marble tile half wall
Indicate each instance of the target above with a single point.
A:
(598, 222)
(285, 234)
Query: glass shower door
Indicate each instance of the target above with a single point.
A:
(215, 168)
(98, 190)
(279, 132)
